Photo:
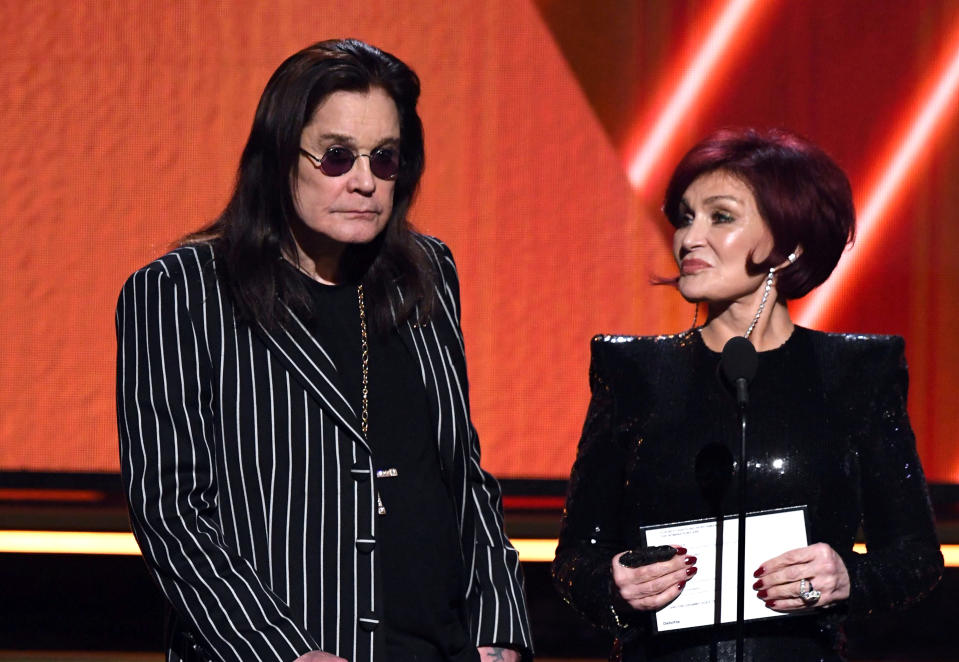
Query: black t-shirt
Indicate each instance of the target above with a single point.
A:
(420, 556)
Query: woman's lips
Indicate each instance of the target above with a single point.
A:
(692, 266)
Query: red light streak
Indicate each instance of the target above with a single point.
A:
(909, 148)
(730, 23)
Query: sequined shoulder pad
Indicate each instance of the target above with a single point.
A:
(611, 339)
(858, 352)
(620, 345)
(857, 368)
(634, 361)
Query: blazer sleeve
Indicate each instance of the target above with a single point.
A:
(499, 616)
(903, 561)
(591, 532)
(166, 416)
(497, 599)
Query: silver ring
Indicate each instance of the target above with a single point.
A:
(810, 596)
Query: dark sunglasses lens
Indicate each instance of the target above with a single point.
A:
(336, 161)
(385, 163)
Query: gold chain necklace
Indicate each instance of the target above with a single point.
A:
(365, 361)
(365, 393)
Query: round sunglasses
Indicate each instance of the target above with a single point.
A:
(336, 161)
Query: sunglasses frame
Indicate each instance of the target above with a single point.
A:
(318, 162)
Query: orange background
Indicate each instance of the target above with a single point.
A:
(122, 124)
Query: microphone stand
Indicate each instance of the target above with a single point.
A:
(742, 399)
(739, 363)
(714, 472)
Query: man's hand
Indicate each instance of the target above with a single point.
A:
(497, 654)
(319, 656)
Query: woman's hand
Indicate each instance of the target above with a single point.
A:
(651, 587)
(778, 583)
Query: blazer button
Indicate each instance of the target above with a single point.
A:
(365, 545)
(360, 472)
(369, 621)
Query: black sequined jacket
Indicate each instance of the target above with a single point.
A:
(827, 428)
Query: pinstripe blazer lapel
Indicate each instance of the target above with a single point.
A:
(296, 347)
(428, 350)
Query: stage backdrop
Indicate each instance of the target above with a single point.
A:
(551, 127)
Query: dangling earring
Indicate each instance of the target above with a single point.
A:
(762, 304)
(769, 283)
(695, 316)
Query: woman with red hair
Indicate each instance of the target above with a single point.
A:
(759, 218)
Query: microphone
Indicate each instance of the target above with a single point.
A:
(738, 365)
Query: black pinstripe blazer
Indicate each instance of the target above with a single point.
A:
(251, 488)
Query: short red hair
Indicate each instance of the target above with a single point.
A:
(802, 195)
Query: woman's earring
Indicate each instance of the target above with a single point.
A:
(762, 304)
(791, 258)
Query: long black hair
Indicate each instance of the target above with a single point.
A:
(252, 235)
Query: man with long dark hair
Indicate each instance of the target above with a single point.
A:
(295, 436)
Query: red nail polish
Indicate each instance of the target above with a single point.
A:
(759, 572)
(770, 603)
(761, 595)
(691, 571)
(681, 585)
(680, 550)
(690, 560)
(758, 585)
